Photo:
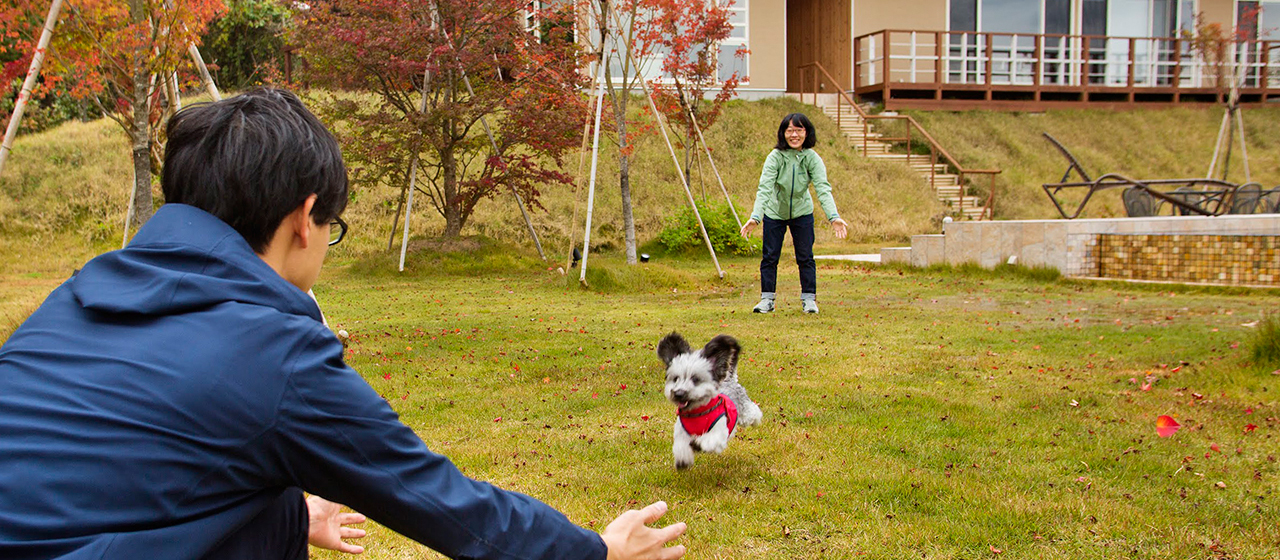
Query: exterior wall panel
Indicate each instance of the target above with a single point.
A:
(870, 16)
(767, 40)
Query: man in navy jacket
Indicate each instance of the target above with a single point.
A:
(173, 399)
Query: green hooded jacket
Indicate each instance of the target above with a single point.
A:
(784, 186)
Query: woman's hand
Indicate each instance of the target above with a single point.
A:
(841, 227)
(747, 227)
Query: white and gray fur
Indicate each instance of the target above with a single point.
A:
(696, 377)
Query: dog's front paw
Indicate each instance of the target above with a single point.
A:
(683, 455)
(713, 442)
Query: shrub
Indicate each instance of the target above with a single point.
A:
(680, 232)
(1266, 342)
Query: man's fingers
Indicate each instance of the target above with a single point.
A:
(672, 532)
(351, 548)
(653, 512)
(350, 518)
(671, 553)
(351, 533)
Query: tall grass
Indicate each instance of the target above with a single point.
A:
(1266, 341)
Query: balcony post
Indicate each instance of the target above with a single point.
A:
(1133, 43)
(986, 37)
(857, 68)
(1177, 70)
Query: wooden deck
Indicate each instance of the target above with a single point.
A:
(1003, 71)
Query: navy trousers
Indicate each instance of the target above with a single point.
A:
(278, 533)
(802, 239)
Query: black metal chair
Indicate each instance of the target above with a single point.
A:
(1270, 202)
(1246, 200)
(1138, 202)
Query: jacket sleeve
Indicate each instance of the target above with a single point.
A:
(768, 182)
(818, 176)
(339, 439)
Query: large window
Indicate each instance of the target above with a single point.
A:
(1005, 28)
(738, 16)
(650, 67)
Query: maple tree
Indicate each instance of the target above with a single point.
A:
(686, 33)
(120, 55)
(689, 34)
(412, 81)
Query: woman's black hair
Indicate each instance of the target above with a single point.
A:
(252, 159)
(798, 119)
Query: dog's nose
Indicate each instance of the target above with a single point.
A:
(680, 395)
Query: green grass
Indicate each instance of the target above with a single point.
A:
(940, 413)
(922, 413)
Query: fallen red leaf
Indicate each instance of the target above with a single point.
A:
(1215, 447)
(1166, 426)
(1250, 427)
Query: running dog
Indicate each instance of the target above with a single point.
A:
(703, 384)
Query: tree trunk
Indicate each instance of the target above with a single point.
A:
(141, 138)
(452, 203)
(624, 173)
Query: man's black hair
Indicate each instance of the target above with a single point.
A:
(252, 159)
(797, 119)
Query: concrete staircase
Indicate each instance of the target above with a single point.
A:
(946, 185)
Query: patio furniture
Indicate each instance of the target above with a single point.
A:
(1148, 197)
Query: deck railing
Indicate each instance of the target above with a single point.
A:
(1011, 59)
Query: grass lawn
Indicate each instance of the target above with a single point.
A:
(923, 414)
(934, 414)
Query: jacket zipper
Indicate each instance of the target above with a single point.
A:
(791, 200)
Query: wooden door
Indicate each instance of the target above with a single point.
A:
(819, 31)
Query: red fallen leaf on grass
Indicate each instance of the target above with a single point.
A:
(1215, 447)
(386, 376)
(1176, 369)
(1250, 427)
(1166, 426)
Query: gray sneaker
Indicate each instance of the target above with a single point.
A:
(765, 306)
(809, 305)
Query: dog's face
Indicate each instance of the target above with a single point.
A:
(693, 377)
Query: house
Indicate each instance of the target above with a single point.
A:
(1011, 54)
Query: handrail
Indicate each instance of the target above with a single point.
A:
(935, 148)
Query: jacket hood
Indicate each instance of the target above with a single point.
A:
(185, 259)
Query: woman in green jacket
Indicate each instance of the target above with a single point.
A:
(783, 203)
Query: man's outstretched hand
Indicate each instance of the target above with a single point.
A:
(629, 538)
(329, 526)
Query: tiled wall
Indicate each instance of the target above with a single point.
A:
(1213, 259)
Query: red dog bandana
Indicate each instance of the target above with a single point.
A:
(700, 420)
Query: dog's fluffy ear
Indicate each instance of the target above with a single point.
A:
(671, 346)
(723, 352)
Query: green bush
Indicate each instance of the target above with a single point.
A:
(680, 232)
(48, 108)
(247, 43)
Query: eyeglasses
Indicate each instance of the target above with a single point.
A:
(795, 132)
(337, 230)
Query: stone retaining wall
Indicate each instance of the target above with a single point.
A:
(1234, 250)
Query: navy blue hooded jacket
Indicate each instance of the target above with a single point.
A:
(161, 397)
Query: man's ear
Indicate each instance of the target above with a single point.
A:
(300, 222)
